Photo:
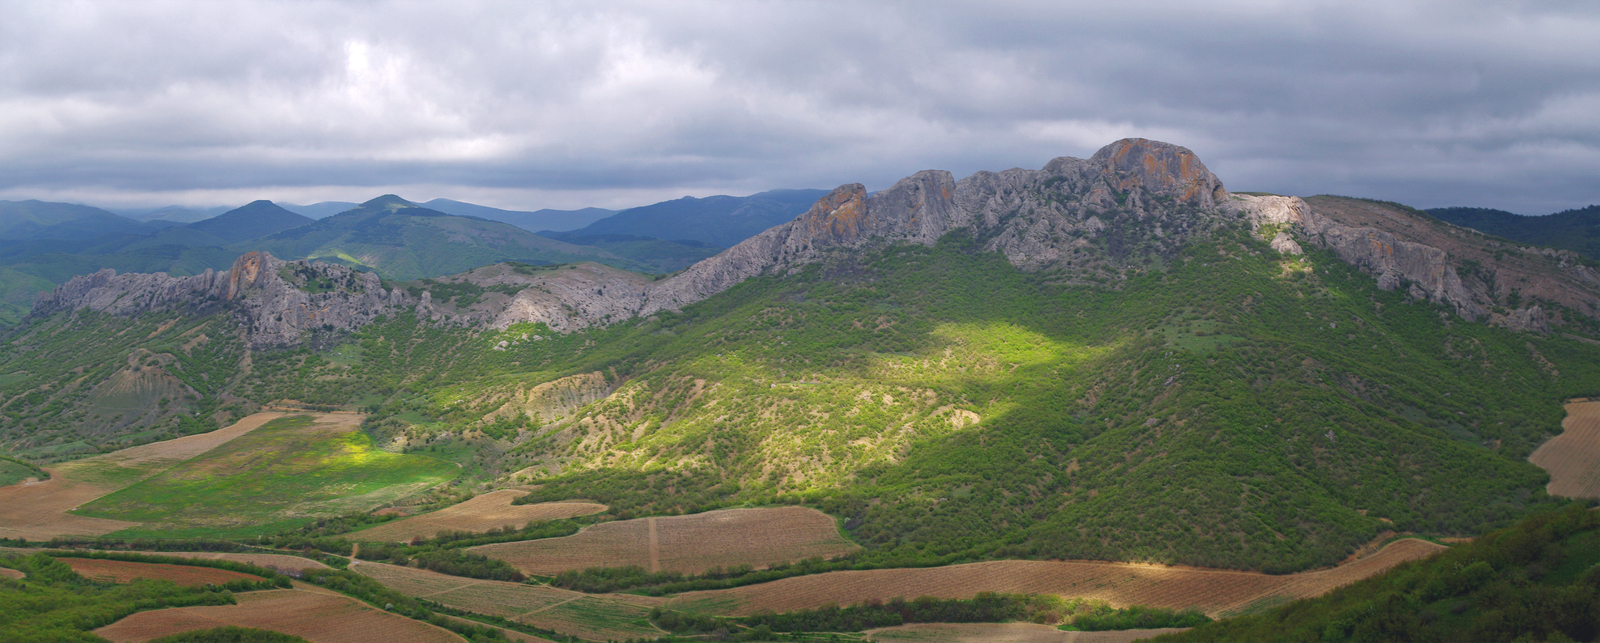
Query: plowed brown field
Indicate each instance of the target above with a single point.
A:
(689, 544)
(119, 571)
(316, 617)
(280, 562)
(1003, 633)
(1121, 585)
(1573, 458)
(12, 573)
(482, 513)
(39, 511)
(591, 616)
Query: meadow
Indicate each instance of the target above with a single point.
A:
(286, 472)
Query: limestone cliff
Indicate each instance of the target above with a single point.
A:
(1482, 278)
(1133, 196)
(277, 302)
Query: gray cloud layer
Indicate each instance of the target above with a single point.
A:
(533, 105)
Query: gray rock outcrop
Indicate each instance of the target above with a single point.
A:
(278, 302)
(1132, 199)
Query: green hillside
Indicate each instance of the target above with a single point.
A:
(1575, 230)
(1223, 406)
(1538, 580)
(403, 241)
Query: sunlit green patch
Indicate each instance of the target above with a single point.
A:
(288, 471)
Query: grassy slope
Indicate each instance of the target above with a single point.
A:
(53, 404)
(269, 479)
(1225, 407)
(1232, 410)
(1538, 579)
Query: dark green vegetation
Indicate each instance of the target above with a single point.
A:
(72, 386)
(720, 221)
(53, 603)
(1136, 617)
(1538, 580)
(1224, 406)
(986, 607)
(13, 470)
(1232, 409)
(230, 634)
(275, 477)
(1575, 230)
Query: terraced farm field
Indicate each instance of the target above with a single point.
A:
(281, 562)
(314, 616)
(288, 471)
(119, 571)
(1573, 458)
(1002, 633)
(689, 544)
(1212, 591)
(39, 511)
(482, 513)
(597, 617)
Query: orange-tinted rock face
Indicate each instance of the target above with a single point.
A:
(838, 217)
(246, 270)
(1159, 168)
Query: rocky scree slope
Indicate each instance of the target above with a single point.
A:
(1132, 204)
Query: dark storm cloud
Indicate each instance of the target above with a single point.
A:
(558, 105)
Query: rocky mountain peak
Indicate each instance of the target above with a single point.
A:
(1134, 200)
(1161, 169)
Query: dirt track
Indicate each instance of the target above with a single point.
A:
(39, 511)
(1573, 458)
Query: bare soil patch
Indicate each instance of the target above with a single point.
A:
(1003, 633)
(592, 616)
(1120, 584)
(12, 573)
(120, 571)
(1573, 458)
(492, 510)
(292, 565)
(317, 617)
(38, 511)
(689, 544)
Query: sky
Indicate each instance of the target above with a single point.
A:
(528, 105)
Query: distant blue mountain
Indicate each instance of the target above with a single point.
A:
(535, 221)
(321, 210)
(721, 221)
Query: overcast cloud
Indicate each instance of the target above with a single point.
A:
(531, 105)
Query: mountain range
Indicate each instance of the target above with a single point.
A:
(1190, 375)
(1113, 358)
(43, 244)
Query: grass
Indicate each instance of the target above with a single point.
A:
(282, 474)
(12, 473)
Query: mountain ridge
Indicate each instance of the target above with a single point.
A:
(1135, 201)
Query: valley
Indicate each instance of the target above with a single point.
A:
(1108, 381)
